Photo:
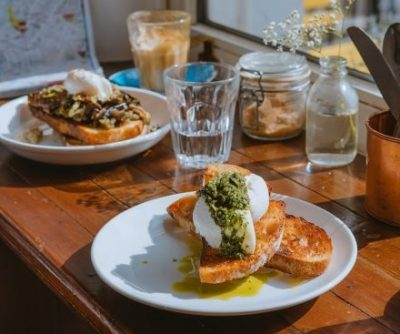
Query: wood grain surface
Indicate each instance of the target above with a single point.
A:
(49, 216)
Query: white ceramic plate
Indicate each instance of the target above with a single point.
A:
(15, 118)
(132, 254)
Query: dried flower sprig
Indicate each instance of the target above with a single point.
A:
(293, 34)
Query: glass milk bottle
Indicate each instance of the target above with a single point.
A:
(332, 116)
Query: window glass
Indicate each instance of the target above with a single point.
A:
(250, 17)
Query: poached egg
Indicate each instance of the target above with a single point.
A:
(259, 201)
(91, 84)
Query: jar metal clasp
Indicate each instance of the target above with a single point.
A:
(254, 95)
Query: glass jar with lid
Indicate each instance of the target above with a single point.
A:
(273, 94)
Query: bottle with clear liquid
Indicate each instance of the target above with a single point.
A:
(332, 116)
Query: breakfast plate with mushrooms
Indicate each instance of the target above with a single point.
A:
(84, 120)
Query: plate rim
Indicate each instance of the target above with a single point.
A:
(251, 310)
(84, 148)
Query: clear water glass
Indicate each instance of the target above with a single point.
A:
(201, 101)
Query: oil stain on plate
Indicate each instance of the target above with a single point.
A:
(245, 287)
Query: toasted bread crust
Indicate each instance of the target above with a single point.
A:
(305, 250)
(89, 135)
(182, 213)
(215, 268)
(214, 170)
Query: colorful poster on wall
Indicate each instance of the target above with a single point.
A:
(42, 39)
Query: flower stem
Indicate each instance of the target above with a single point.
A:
(341, 36)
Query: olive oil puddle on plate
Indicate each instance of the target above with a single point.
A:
(245, 287)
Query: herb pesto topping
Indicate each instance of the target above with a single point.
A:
(226, 197)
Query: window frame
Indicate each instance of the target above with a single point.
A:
(203, 19)
(230, 46)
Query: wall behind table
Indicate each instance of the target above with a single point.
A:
(109, 26)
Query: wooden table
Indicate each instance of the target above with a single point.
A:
(50, 214)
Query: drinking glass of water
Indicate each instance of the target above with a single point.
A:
(201, 101)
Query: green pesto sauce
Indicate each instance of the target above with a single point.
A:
(225, 195)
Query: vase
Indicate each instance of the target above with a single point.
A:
(332, 116)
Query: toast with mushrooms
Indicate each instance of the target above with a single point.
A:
(89, 120)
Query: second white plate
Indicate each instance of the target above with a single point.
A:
(138, 253)
(15, 118)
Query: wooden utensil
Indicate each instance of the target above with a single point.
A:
(380, 70)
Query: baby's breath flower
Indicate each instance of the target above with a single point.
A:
(293, 34)
(335, 4)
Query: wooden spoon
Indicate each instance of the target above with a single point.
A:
(381, 71)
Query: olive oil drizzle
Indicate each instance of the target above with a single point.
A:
(245, 287)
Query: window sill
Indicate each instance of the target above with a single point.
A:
(229, 47)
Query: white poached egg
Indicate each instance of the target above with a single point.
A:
(91, 84)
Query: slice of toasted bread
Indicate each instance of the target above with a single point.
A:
(215, 268)
(88, 135)
(305, 250)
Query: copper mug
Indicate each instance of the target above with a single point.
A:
(383, 169)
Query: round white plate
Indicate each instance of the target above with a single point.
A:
(15, 118)
(145, 234)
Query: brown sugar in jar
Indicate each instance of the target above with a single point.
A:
(273, 94)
